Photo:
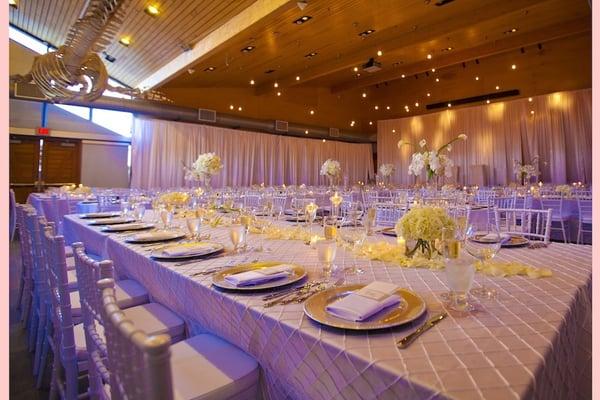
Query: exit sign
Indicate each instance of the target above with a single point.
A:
(43, 131)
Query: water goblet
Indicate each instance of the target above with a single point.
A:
(483, 243)
(193, 225)
(330, 225)
(237, 234)
(166, 216)
(326, 251)
(140, 210)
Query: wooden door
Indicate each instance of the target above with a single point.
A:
(24, 157)
(61, 162)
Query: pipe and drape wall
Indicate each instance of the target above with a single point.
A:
(559, 131)
(160, 147)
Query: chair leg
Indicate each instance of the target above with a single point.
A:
(33, 325)
(40, 342)
(44, 358)
(26, 308)
(562, 225)
(55, 377)
(579, 233)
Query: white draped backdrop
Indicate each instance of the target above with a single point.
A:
(559, 132)
(159, 148)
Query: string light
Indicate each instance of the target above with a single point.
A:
(312, 112)
(377, 107)
(306, 132)
(240, 108)
(278, 93)
(514, 66)
(417, 104)
(437, 79)
(428, 94)
(387, 107)
(393, 131)
(432, 69)
(231, 107)
(252, 81)
(530, 99)
(487, 101)
(364, 94)
(497, 87)
(532, 112)
(151, 10)
(355, 69)
(352, 123)
(429, 56)
(476, 78)
(297, 78)
(379, 53)
(370, 122)
(449, 104)
(403, 76)
(324, 140)
(276, 85)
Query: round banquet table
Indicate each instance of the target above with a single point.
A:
(537, 334)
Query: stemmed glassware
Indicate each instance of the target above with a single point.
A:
(237, 234)
(193, 225)
(326, 251)
(311, 213)
(140, 210)
(460, 272)
(166, 216)
(483, 241)
(297, 205)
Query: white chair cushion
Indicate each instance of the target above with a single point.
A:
(79, 334)
(68, 251)
(72, 279)
(207, 367)
(70, 263)
(154, 319)
(75, 304)
(129, 293)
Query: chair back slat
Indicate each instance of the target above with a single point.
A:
(140, 364)
(533, 224)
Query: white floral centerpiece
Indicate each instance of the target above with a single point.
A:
(565, 190)
(331, 169)
(203, 169)
(386, 169)
(435, 162)
(524, 172)
(424, 225)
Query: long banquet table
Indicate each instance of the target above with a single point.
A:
(533, 342)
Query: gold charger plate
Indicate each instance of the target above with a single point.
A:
(316, 309)
(298, 273)
(516, 241)
(389, 232)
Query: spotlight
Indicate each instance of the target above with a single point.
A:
(152, 10)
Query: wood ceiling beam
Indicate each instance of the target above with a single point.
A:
(558, 31)
(215, 40)
(427, 30)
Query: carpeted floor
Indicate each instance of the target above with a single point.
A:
(22, 385)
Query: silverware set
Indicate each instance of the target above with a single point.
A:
(299, 293)
(430, 323)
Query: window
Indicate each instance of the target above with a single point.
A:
(28, 41)
(83, 112)
(117, 121)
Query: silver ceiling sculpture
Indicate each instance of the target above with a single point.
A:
(75, 71)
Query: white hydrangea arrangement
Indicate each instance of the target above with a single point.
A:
(386, 169)
(425, 225)
(526, 171)
(331, 168)
(433, 161)
(205, 166)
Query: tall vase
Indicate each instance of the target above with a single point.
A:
(207, 186)
(331, 178)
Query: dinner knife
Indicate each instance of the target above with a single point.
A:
(407, 340)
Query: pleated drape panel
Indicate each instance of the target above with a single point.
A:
(559, 131)
(160, 148)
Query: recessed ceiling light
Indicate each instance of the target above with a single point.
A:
(278, 93)
(13, 3)
(393, 131)
(247, 49)
(428, 94)
(252, 81)
(302, 19)
(240, 108)
(437, 79)
(532, 112)
(311, 54)
(231, 107)
(125, 41)
(152, 10)
(514, 66)
(387, 107)
(403, 76)
(297, 78)
(476, 78)
(530, 99)
(312, 112)
(364, 94)
(432, 69)
(355, 69)
(379, 53)
(366, 33)
(370, 122)
(276, 85)
(377, 107)
(429, 56)
(209, 69)
(497, 87)
(417, 104)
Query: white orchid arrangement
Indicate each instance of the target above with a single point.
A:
(528, 171)
(386, 169)
(331, 168)
(206, 165)
(434, 161)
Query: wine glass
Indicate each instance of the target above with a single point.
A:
(483, 241)
(237, 234)
(140, 210)
(326, 251)
(297, 205)
(193, 225)
(246, 221)
(166, 216)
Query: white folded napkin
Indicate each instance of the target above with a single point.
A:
(158, 235)
(491, 237)
(365, 302)
(258, 276)
(183, 250)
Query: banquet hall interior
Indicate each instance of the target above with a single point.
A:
(313, 199)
